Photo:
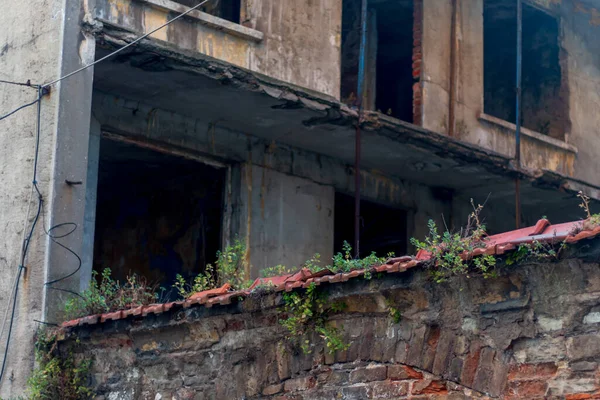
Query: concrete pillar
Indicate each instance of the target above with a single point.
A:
(67, 202)
(89, 225)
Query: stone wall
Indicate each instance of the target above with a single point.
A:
(531, 333)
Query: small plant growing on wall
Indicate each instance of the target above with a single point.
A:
(307, 313)
(106, 294)
(451, 253)
(345, 262)
(58, 375)
(229, 268)
(592, 220)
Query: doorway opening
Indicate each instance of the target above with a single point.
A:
(383, 228)
(157, 215)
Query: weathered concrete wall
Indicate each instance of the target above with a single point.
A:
(288, 219)
(288, 169)
(29, 50)
(295, 41)
(40, 41)
(532, 333)
(580, 68)
(581, 29)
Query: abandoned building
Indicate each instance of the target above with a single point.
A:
(265, 120)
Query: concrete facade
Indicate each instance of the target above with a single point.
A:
(261, 101)
(40, 41)
(571, 156)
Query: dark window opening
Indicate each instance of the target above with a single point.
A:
(383, 228)
(543, 98)
(157, 215)
(226, 9)
(389, 62)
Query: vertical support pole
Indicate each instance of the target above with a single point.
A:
(518, 110)
(453, 68)
(357, 145)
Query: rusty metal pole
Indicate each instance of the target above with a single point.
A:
(518, 111)
(453, 68)
(357, 145)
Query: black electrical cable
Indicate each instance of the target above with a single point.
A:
(25, 248)
(27, 84)
(27, 240)
(53, 237)
(19, 109)
(47, 85)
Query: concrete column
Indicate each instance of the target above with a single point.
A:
(89, 225)
(67, 202)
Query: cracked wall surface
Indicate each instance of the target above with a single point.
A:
(530, 333)
(29, 50)
(39, 42)
(300, 41)
(580, 69)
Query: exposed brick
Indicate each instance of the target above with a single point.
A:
(338, 378)
(388, 390)
(283, 362)
(443, 354)
(272, 389)
(491, 373)
(415, 348)
(585, 346)
(527, 389)
(417, 58)
(430, 347)
(584, 366)
(583, 396)
(299, 384)
(470, 365)
(429, 387)
(455, 369)
(401, 352)
(402, 372)
(530, 371)
(369, 374)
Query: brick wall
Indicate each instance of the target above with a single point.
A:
(533, 333)
(417, 60)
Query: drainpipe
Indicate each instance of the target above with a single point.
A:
(357, 146)
(518, 111)
(453, 68)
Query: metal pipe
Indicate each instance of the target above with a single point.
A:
(452, 85)
(357, 145)
(518, 110)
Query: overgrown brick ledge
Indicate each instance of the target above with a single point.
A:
(532, 333)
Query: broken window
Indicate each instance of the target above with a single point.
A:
(383, 228)
(389, 56)
(543, 96)
(157, 215)
(226, 9)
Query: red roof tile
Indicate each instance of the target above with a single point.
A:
(543, 231)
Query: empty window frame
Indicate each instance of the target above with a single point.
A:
(226, 9)
(544, 102)
(389, 56)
